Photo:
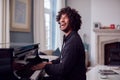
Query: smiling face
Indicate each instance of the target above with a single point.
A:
(64, 23)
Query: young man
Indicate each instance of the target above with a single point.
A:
(71, 64)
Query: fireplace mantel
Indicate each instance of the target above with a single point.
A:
(107, 30)
(102, 37)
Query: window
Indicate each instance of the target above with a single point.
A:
(50, 23)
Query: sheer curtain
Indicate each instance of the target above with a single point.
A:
(4, 22)
(39, 24)
(59, 37)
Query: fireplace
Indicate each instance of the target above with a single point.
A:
(107, 42)
(112, 53)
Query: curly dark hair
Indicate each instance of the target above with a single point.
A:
(74, 17)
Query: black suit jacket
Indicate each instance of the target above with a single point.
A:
(71, 64)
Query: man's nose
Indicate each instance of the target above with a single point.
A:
(61, 20)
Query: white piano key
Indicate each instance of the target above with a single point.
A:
(35, 75)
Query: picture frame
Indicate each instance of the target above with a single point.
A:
(20, 15)
(97, 25)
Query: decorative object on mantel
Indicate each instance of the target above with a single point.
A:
(118, 26)
(97, 25)
(105, 27)
(112, 26)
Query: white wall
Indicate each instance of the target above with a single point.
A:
(84, 9)
(105, 11)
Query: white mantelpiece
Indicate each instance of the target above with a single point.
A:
(104, 36)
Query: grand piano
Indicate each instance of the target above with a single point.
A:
(15, 63)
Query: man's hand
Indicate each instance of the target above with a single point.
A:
(40, 66)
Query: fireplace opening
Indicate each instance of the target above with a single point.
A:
(112, 53)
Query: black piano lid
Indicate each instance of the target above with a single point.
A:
(16, 45)
(20, 47)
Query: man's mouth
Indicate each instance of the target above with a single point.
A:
(62, 25)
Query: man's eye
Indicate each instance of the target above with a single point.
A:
(58, 22)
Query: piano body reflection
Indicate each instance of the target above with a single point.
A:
(15, 63)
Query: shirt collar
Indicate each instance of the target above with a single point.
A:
(65, 38)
